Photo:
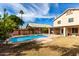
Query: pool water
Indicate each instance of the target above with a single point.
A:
(25, 38)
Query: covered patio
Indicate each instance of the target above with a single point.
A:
(39, 28)
(66, 30)
(33, 28)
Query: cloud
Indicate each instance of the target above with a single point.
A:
(36, 16)
(41, 9)
(30, 18)
(36, 9)
(32, 11)
(17, 7)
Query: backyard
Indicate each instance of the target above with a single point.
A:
(59, 46)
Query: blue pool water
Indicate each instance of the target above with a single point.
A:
(25, 38)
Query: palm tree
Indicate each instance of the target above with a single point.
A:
(0, 17)
(21, 12)
(4, 12)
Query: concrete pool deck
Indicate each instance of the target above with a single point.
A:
(43, 40)
(58, 46)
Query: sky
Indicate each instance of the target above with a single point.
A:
(42, 13)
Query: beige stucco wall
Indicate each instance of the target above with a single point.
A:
(56, 30)
(64, 19)
(69, 31)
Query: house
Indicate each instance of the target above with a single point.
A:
(67, 23)
(39, 28)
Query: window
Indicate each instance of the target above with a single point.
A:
(74, 30)
(59, 22)
(70, 20)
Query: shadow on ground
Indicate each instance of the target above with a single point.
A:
(10, 49)
(67, 51)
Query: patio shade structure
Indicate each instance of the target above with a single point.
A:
(39, 26)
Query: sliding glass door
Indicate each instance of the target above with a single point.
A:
(74, 30)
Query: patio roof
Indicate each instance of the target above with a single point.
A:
(39, 25)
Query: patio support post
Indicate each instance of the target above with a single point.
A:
(39, 30)
(48, 30)
(64, 31)
(60, 31)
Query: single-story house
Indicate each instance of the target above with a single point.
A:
(67, 23)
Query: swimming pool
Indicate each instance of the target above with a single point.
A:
(25, 38)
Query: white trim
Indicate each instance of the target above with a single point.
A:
(64, 31)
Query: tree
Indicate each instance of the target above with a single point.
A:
(7, 29)
(4, 12)
(7, 24)
(0, 17)
(21, 12)
(17, 20)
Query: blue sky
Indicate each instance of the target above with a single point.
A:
(38, 13)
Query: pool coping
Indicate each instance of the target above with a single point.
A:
(28, 35)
